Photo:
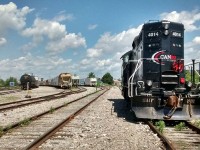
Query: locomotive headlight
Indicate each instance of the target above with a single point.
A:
(166, 32)
(166, 26)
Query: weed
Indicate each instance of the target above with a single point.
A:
(1, 131)
(25, 122)
(160, 125)
(180, 126)
(65, 103)
(52, 110)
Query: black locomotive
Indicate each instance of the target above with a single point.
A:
(153, 79)
(29, 81)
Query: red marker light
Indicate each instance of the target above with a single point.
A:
(182, 80)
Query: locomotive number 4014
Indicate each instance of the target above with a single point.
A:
(153, 34)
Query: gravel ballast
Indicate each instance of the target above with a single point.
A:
(10, 117)
(104, 125)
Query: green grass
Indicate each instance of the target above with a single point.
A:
(160, 125)
(180, 126)
(25, 122)
(52, 110)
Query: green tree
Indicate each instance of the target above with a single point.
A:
(188, 76)
(11, 79)
(2, 82)
(107, 78)
(91, 75)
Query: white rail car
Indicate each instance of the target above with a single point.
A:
(91, 81)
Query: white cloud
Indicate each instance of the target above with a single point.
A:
(44, 28)
(196, 40)
(115, 43)
(27, 47)
(93, 52)
(57, 37)
(12, 17)
(3, 41)
(192, 50)
(69, 41)
(92, 26)
(189, 19)
(104, 62)
(85, 62)
(63, 17)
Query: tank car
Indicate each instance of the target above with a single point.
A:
(153, 79)
(29, 81)
(63, 80)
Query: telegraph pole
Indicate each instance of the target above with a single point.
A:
(193, 71)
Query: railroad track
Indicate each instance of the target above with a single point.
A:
(41, 127)
(22, 103)
(179, 137)
(4, 92)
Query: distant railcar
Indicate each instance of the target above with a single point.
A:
(90, 82)
(82, 82)
(75, 80)
(63, 80)
(29, 81)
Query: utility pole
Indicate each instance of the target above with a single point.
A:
(193, 71)
(199, 71)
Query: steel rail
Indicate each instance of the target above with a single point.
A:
(35, 144)
(167, 143)
(22, 103)
(18, 124)
(193, 127)
(9, 92)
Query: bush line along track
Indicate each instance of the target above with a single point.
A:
(41, 125)
(187, 138)
(17, 104)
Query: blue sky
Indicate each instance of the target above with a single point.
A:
(47, 37)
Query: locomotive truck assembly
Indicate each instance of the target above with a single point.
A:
(153, 79)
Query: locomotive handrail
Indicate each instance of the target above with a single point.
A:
(130, 80)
